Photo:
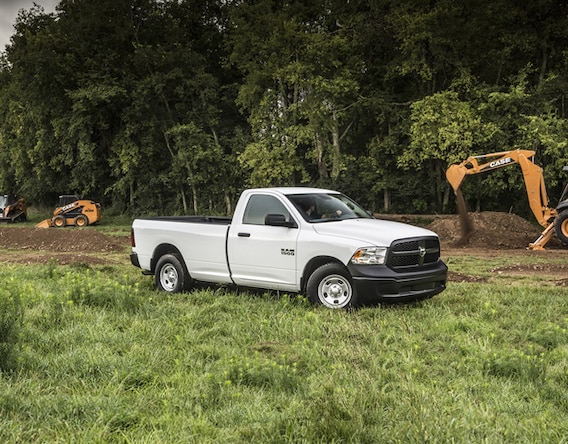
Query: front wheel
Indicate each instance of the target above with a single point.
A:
(330, 285)
(561, 226)
(59, 221)
(81, 220)
(171, 275)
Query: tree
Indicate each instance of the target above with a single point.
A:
(444, 130)
(298, 88)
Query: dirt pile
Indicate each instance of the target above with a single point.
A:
(85, 240)
(490, 230)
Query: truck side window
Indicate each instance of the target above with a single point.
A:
(259, 205)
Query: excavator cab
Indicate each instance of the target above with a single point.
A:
(73, 210)
(561, 221)
(564, 195)
(12, 208)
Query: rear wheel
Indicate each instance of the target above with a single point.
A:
(59, 221)
(561, 226)
(330, 285)
(171, 275)
(81, 221)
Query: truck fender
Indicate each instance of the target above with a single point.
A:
(160, 251)
(312, 265)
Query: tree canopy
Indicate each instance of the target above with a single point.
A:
(175, 106)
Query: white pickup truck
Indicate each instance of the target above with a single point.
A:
(309, 240)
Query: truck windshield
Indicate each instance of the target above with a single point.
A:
(321, 207)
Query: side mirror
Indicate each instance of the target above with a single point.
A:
(278, 220)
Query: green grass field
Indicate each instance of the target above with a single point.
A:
(94, 354)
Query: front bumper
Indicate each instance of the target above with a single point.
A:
(379, 283)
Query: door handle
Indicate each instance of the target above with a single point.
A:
(244, 235)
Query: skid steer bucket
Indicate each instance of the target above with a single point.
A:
(44, 224)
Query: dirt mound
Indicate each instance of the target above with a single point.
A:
(83, 240)
(491, 230)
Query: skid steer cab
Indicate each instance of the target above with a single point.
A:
(72, 210)
(13, 208)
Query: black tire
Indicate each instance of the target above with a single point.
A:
(59, 221)
(331, 286)
(171, 275)
(561, 226)
(81, 220)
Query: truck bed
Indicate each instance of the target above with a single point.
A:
(218, 220)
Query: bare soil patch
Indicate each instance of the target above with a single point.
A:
(494, 235)
(26, 245)
(490, 230)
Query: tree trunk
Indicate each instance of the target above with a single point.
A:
(318, 142)
(336, 151)
(194, 192)
(543, 65)
(386, 200)
(183, 200)
(131, 192)
(446, 200)
(181, 191)
(228, 203)
(440, 182)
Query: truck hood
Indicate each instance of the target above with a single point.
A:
(371, 231)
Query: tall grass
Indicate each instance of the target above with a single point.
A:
(11, 311)
(99, 356)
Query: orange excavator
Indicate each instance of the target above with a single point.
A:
(554, 220)
(72, 210)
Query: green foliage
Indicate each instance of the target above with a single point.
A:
(443, 128)
(175, 106)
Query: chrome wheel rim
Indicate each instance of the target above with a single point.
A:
(169, 277)
(335, 291)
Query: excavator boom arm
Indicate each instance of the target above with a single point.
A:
(532, 174)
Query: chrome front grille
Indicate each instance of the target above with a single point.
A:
(413, 253)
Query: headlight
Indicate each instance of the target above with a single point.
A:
(369, 256)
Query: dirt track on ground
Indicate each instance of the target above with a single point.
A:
(64, 246)
(495, 234)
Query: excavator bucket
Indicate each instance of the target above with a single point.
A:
(44, 224)
(455, 175)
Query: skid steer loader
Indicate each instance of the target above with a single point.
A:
(553, 220)
(12, 208)
(72, 210)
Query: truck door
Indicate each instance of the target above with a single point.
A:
(261, 255)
